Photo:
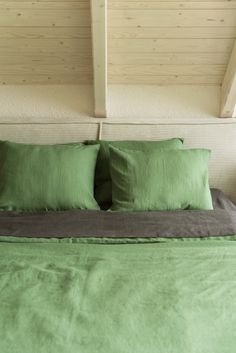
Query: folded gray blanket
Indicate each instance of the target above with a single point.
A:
(79, 223)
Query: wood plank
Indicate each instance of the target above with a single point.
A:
(165, 80)
(169, 32)
(48, 47)
(172, 18)
(156, 5)
(99, 40)
(45, 32)
(168, 58)
(164, 70)
(45, 42)
(38, 69)
(6, 79)
(32, 59)
(46, 5)
(170, 45)
(44, 18)
(228, 92)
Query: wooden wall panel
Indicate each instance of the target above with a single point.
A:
(170, 42)
(45, 42)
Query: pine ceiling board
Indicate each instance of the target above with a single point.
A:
(45, 5)
(170, 45)
(35, 60)
(166, 80)
(172, 18)
(44, 17)
(58, 69)
(46, 47)
(165, 70)
(168, 58)
(45, 42)
(170, 32)
(6, 79)
(45, 32)
(170, 42)
(142, 5)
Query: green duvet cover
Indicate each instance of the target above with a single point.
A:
(104, 296)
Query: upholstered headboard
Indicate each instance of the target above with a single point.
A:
(219, 137)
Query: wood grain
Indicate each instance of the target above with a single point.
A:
(47, 47)
(171, 45)
(164, 70)
(45, 32)
(171, 33)
(44, 17)
(157, 32)
(165, 80)
(168, 58)
(45, 42)
(173, 5)
(8, 79)
(172, 18)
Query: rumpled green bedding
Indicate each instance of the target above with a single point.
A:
(106, 296)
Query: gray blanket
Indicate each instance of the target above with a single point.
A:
(76, 223)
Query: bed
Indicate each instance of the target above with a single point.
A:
(94, 281)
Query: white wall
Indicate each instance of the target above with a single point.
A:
(45, 103)
(165, 103)
(48, 103)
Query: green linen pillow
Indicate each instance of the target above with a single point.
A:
(102, 172)
(47, 177)
(160, 180)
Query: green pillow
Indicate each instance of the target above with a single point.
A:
(102, 173)
(42, 177)
(160, 180)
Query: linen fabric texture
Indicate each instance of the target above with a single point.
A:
(47, 177)
(160, 180)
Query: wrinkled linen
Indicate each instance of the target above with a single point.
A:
(117, 294)
(145, 298)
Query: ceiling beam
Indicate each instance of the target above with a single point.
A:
(228, 90)
(99, 44)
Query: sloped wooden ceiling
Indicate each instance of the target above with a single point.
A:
(45, 41)
(149, 41)
(170, 42)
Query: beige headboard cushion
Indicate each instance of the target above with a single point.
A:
(219, 137)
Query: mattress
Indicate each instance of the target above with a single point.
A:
(102, 282)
